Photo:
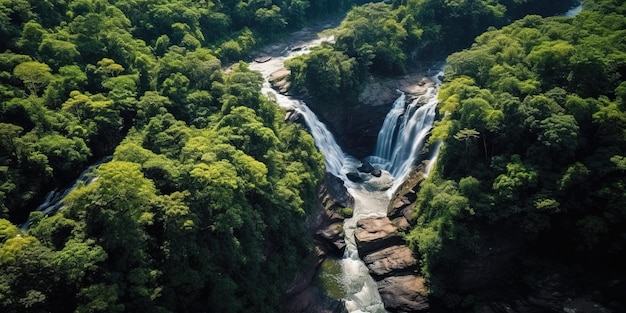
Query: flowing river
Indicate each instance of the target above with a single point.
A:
(399, 146)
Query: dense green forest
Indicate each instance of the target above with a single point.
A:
(202, 208)
(533, 120)
(381, 39)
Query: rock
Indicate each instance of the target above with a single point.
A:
(365, 167)
(381, 183)
(279, 75)
(292, 116)
(262, 59)
(390, 261)
(402, 207)
(375, 233)
(402, 204)
(404, 294)
(402, 223)
(280, 80)
(333, 238)
(355, 177)
(376, 172)
(304, 277)
(312, 300)
(337, 191)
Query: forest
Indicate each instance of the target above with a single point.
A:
(533, 120)
(203, 206)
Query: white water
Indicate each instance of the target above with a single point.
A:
(52, 201)
(360, 287)
(403, 135)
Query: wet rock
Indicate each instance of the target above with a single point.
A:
(390, 261)
(262, 59)
(337, 192)
(404, 294)
(380, 183)
(365, 167)
(292, 116)
(374, 234)
(376, 172)
(355, 177)
(280, 80)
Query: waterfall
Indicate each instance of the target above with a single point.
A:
(574, 10)
(334, 157)
(52, 202)
(403, 135)
(398, 148)
(386, 137)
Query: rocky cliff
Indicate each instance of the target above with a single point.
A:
(326, 229)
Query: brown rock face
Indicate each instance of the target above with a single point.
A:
(280, 80)
(375, 233)
(390, 261)
(326, 229)
(404, 294)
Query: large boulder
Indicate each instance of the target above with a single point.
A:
(404, 294)
(280, 80)
(375, 233)
(376, 172)
(292, 116)
(365, 167)
(336, 193)
(393, 260)
(355, 177)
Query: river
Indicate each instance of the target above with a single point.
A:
(400, 144)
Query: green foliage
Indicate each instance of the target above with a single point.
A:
(329, 75)
(35, 75)
(537, 117)
(183, 217)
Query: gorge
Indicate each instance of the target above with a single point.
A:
(371, 184)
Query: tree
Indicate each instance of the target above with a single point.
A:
(8, 135)
(35, 75)
(559, 133)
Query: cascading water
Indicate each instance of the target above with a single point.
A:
(386, 136)
(403, 134)
(399, 145)
(336, 160)
(52, 202)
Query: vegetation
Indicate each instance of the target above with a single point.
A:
(202, 207)
(533, 129)
(382, 39)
